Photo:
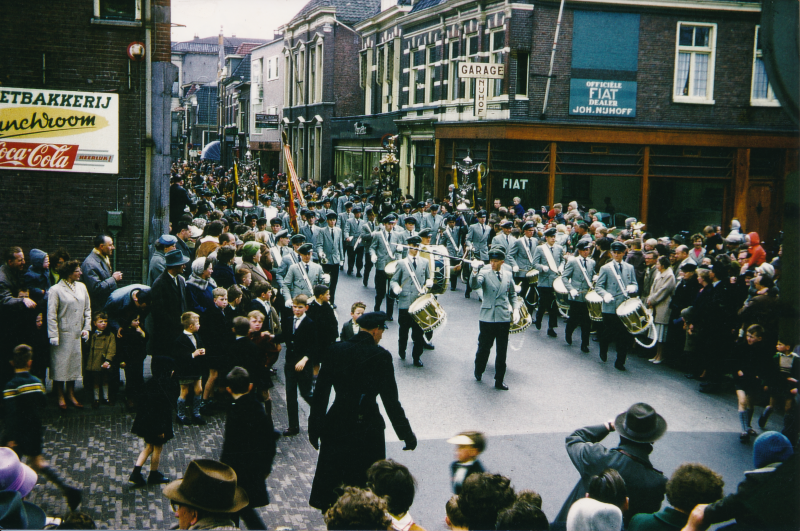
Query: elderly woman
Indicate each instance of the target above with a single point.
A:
(200, 286)
(251, 258)
(660, 296)
(69, 318)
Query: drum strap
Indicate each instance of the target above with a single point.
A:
(413, 276)
(585, 275)
(619, 279)
(385, 243)
(527, 249)
(450, 237)
(305, 277)
(548, 255)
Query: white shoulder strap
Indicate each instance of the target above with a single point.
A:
(583, 270)
(388, 247)
(548, 255)
(413, 275)
(305, 277)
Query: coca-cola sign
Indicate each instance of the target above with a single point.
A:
(29, 156)
(59, 130)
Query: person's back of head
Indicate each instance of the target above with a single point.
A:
(530, 496)
(483, 496)
(609, 487)
(588, 514)
(357, 509)
(393, 482)
(522, 516)
(692, 484)
(77, 520)
(455, 519)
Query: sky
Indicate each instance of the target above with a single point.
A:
(243, 18)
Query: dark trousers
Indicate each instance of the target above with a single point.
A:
(579, 316)
(454, 279)
(368, 265)
(251, 518)
(487, 336)
(381, 285)
(296, 381)
(407, 323)
(525, 292)
(355, 257)
(615, 331)
(333, 271)
(547, 302)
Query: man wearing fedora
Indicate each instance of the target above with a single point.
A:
(207, 497)
(169, 302)
(638, 428)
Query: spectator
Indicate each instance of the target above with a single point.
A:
(178, 200)
(163, 245)
(13, 306)
(519, 210)
(18, 514)
(96, 268)
(37, 277)
(200, 286)
(469, 445)
(207, 497)
(454, 518)
(522, 516)
(393, 482)
(251, 255)
(57, 257)
(609, 487)
(757, 254)
(587, 514)
(125, 301)
(482, 498)
(223, 273)
(357, 509)
(183, 233)
(659, 300)
(69, 319)
(169, 303)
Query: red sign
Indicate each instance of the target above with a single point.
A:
(30, 156)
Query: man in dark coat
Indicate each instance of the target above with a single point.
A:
(97, 274)
(352, 430)
(178, 200)
(248, 446)
(169, 303)
(638, 428)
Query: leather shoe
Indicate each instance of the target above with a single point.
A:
(500, 386)
(358, 275)
(477, 375)
(403, 355)
(428, 346)
(466, 295)
(551, 332)
(418, 363)
(199, 421)
(568, 340)
(538, 325)
(288, 432)
(603, 355)
(585, 348)
(620, 367)
(390, 319)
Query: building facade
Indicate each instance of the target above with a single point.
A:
(266, 104)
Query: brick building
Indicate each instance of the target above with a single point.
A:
(663, 108)
(82, 52)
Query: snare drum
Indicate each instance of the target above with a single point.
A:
(522, 323)
(427, 312)
(391, 268)
(561, 293)
(594, 303)
(441, 273)
(533, 277)
(634, 316)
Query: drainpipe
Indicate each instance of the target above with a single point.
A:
(552, 59)
(148, 140)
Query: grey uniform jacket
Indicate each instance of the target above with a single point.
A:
(478, 236)
(501, 240)
(607, 284)
(367, 233)
(330, 241)
(521, 255)
(402, 237)
(540, 261)
(403, 279)
(378, 248)
(451, 238)
(342, 219)
(294, 282)
(574, 279)
(498, 295)
(341, 201)
(310, 232)
(289, 258)
(353, 230)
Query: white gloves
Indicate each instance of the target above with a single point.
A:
(545, 269)
(374, 259)
(399, 247)
(429, 283)
(54, 341)
(515, 269)
(326, 278)
(518, 288)
(607, 298)
(85, 335)
(476, 264)
(341, 264)
(289, 304)
(632, 289)
(573, 293)
(515, 315)
(396, 289)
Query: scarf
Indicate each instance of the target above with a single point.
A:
(198, 266)
(103, 258)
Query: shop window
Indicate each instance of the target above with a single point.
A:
(761, 93)
(523, 59)
(118, 10)
(694, 63)
(675, 204)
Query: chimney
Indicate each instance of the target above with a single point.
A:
(221, 63)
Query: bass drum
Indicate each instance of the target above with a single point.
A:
(441, 273)
(522, 323)
(594, 303)
(428, 313)
(634, 316)
(391, 268)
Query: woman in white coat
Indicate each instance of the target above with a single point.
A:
(660, 296)
(69, 319)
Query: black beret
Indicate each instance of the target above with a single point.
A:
(618, 247)
(305, 248)
(372, 320)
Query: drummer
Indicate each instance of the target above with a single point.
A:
(383, 250)
(521, 257)
(577, 276)
(452, 240)
(410, 231)
(616, 283)
(410, 282)
(425, 236)
(477, 239)
(499, 307)
(547, 259)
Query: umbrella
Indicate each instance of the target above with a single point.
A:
(211, 151)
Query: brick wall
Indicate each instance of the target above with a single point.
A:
(46, 210)
(348, 95)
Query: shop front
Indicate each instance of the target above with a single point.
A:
(358, 146)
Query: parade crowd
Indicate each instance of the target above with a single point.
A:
(235, 282)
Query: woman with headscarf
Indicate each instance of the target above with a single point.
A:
(69, 318)
(200, 286)
(251, 256)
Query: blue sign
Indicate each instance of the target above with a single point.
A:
(596, 97)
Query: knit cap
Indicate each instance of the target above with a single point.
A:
(250, 249)
(771, 447)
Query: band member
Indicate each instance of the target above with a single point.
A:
(500, 305)
(354, 243)
(616, 282)
(478, 240)
(344, 217)
(411, 281)
(426, 235)
(367, 231)
(409, 231)
(277, 253)
(547, 259)
(401, 218)
(330, 249)
(577, 277)
(505, 240)
(302, 277)
(521, 261)
(452, 240)
(382, 251)
(309, 229)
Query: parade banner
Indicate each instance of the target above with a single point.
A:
(59, 130)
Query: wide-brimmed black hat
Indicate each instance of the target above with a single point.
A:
(641, 424)
(175, 258)
(209, 486)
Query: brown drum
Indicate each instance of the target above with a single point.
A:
(427, 312)
(522, 323)
(634, 316)
(533, 277)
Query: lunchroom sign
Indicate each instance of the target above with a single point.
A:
(59, 130)
(595, 97)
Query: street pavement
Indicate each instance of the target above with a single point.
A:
(554, 389)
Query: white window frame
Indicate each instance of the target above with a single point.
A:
(430, 73)
(493, 52)
(711, 51)
(770, 100)
(469, 84)
(452, 71)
